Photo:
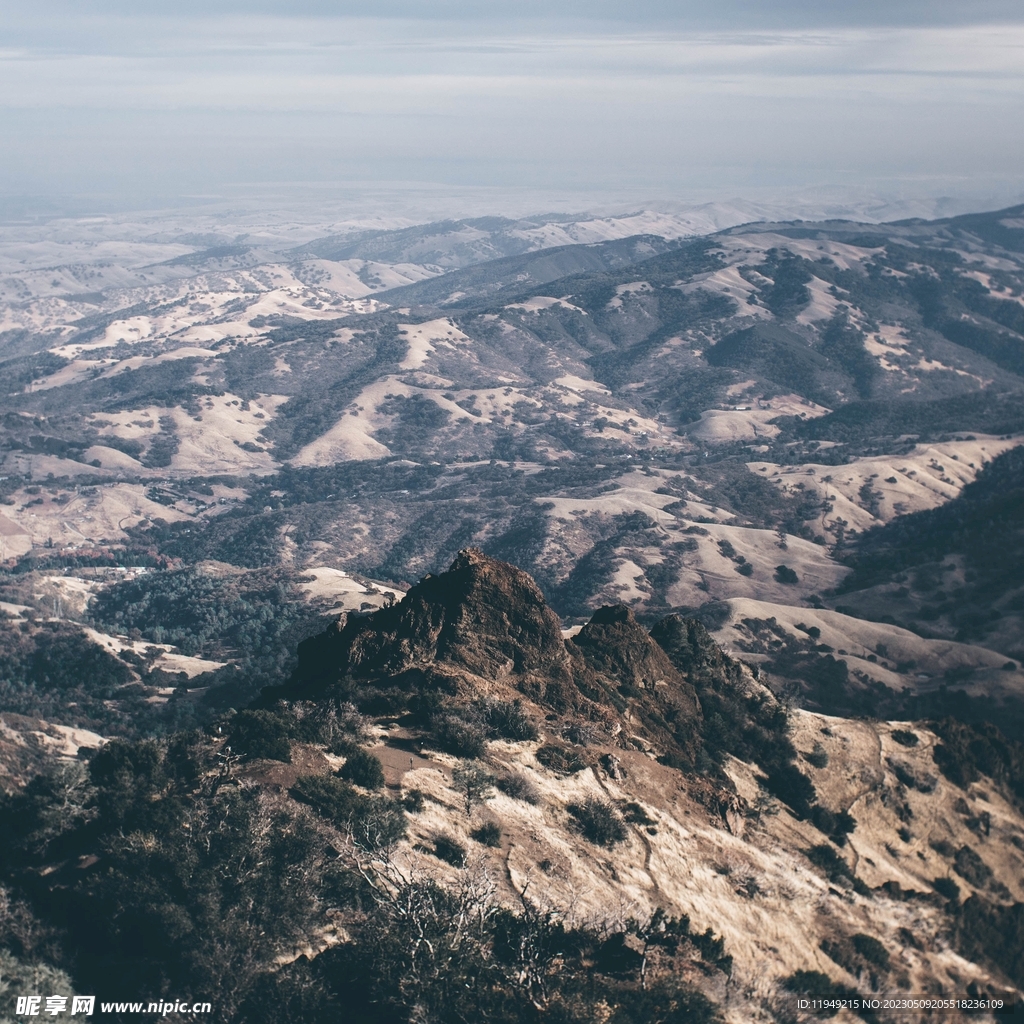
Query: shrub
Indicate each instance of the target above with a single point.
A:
(871, 950)
(906, 774)
(946, 887)
(459, 737)
(597, 821)
(561, 759)
(818, 757)
(786, 782)
(826, 858)
(783, 574)
(374, 822)
(636, 815)
(488, 834)
(519, 787)
(510, 721)
(580, 732)
(905, 737)
(334, 799)
(342, 747)
(261, 734)
(364, 770)
(835, 824)
(969, 866)
(413, 801)
(450, 850)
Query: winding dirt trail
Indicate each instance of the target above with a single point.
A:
(639, 833)
(868, 787)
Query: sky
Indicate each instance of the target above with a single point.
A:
(659, 98)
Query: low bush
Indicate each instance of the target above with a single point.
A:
(826, 858)
(342, 747)
(332, 798)
(363, 769)
(818, 757)
(946, 887)
(579, 732)
(256, 734)
(519, 787)
(456, 736)
(871, 950)
(786, 782)
(837, 825)
(597, 821)
(783, 574)
(488, 834)
(562, 759)
(509, 720)
(450, 850)
(636, 815)
(413, 801)
(905, 737)
(970, 867)
(374, 822)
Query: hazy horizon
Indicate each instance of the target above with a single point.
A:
(131, 107)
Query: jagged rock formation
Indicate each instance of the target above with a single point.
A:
(483, 629)
(691, 648)
(618, 648)
(622, 656)
(482, 617)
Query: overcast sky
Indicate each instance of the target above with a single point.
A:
(710, 100)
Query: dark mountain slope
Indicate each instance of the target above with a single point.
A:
(959, 567)
(511, 274)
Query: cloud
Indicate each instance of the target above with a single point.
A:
(728, 14)
(668, 99)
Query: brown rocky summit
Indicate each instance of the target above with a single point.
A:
(484, 624)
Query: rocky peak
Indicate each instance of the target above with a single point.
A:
(480, 616)
(690, 647)
(484, 622)
(618, 647)
(622, 656)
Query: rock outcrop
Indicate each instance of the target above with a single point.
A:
(691, 648)
(483, 629)
(482, 616)
(624, 658)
